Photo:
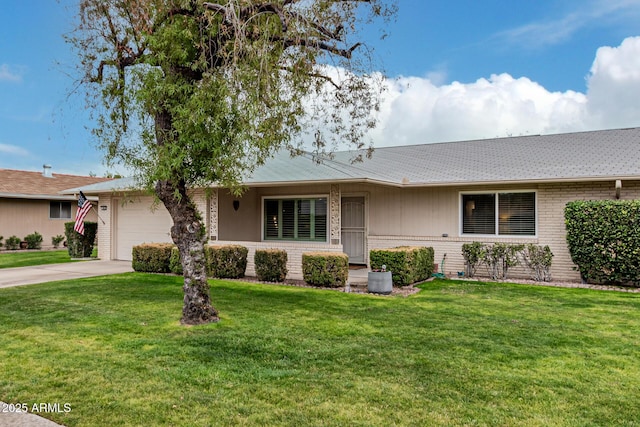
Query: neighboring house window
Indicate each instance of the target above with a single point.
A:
(296, 219)
(501, 214)
(60, 210)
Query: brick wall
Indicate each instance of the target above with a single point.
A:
(552, 199)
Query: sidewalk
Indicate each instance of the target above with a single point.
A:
(52, 272)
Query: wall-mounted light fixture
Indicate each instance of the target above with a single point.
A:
(236, 205)
(618, 188)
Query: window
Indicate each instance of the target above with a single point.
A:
(502, 214)
(59, 210)
(295, 219)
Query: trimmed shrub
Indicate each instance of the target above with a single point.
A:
(408, 264)
(152, 257)
(175, 263)
(329, 269)
(226, 262)
(12, 243)
(80, 246)
(34, 241)
(604, 240)
(271, 265)
(1, 238)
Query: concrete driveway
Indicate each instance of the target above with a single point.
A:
(72, 270)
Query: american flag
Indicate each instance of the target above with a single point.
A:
(83, 209)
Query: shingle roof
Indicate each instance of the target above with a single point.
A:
(607, 154)
(34, 185)
(594, 155)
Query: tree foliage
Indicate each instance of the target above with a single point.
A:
(236, 80)
(188, 93)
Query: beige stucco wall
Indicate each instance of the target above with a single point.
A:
(398, 216)
(421, 217)
(20, 217)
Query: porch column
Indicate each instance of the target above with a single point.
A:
(335, 215)
(213, 215)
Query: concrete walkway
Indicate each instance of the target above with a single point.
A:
(48, 273)
(52, 272)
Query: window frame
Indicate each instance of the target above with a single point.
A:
(496, 194)
(263, 230)
(60, 202)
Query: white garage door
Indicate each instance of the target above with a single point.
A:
(136, 223)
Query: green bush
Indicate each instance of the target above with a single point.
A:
(152, 257)
(604, 240)
(34, 240)
(175, 263)
(12, 243)
(226, 262)
(537, 259)
(56, 240)
(473, 254)
(407, 264)
(1, 237)
(80, 246)
(271, 265)
(499, 257)
(329, 269)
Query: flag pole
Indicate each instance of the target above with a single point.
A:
(103, 223)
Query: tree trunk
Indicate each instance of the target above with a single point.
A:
(189, 235)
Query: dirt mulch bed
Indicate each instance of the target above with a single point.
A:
(361, 288)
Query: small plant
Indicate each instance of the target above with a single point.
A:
(34, 240)
(12, 243)
(473, 254)
(1, 237)
(56, 240)
(538, 260)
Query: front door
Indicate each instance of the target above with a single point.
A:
(353, 229)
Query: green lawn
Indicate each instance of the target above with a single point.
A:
(457, 353)
(24, 259)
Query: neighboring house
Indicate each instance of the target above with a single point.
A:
(442, 195)
(31, 201)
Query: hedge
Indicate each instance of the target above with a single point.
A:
(152, 257)
(80, 246)
(408, 264)
(604, 240)
(175, 263)
(226, 262)
(329, 269)
(271, 265)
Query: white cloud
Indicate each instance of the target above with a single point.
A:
(13, 150)
(417, 110)
(614, 85)
(9, 75)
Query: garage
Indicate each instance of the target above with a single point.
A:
(137, 223)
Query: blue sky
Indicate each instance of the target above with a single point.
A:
(458, 70)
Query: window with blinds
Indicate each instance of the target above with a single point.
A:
(59, 210)
(502, 214)
(296, 219)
